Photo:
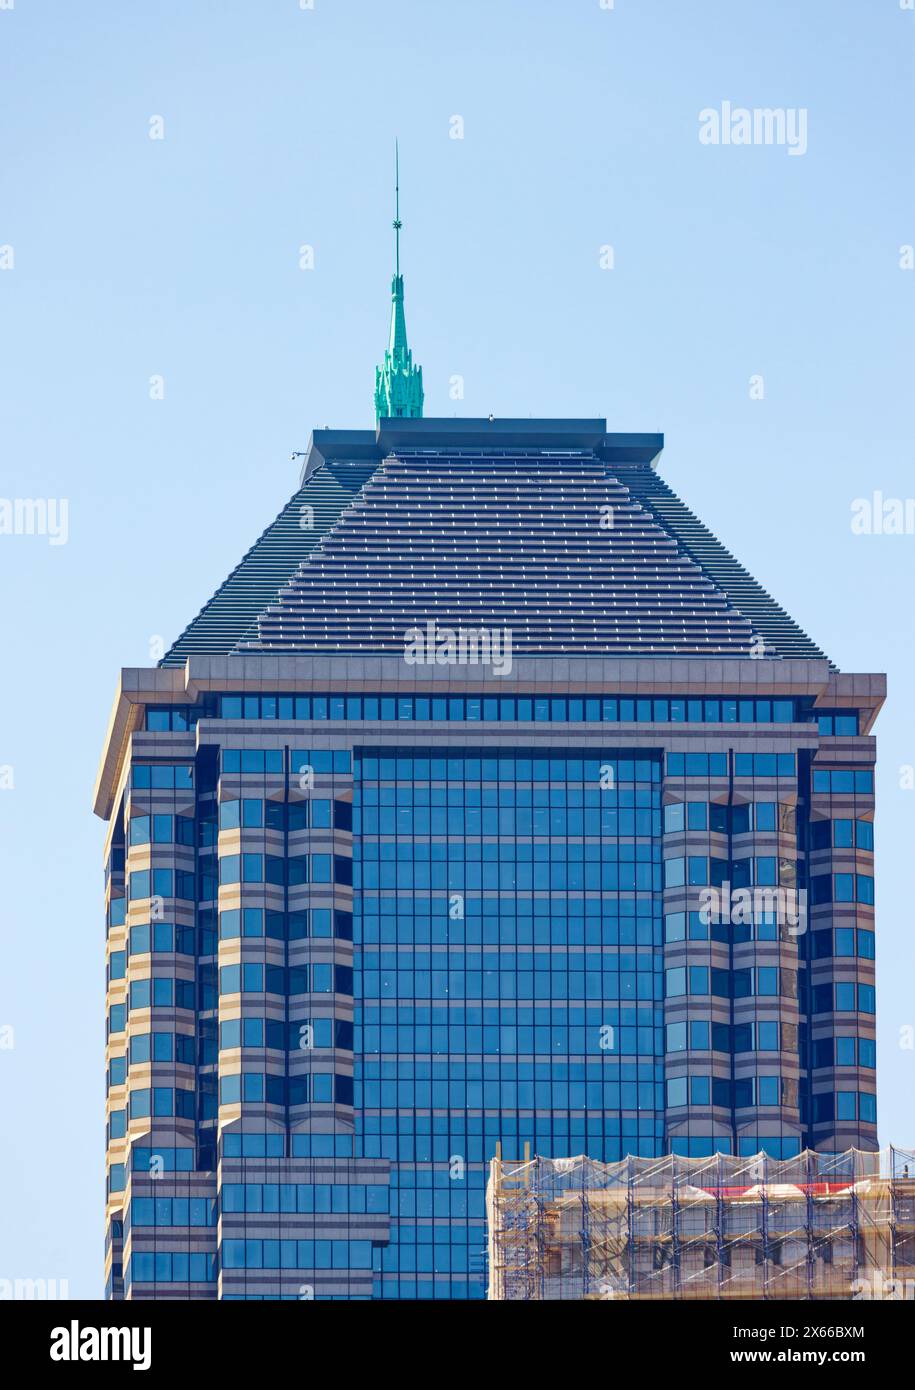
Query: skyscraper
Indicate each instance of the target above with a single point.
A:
(489, 799)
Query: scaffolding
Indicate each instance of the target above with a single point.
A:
(818, 1226)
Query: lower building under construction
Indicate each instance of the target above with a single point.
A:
(817, 1226)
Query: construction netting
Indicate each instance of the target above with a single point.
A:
(822, 1226)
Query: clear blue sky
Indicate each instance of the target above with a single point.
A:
(179, 257)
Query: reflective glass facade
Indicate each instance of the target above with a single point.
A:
(508, 979)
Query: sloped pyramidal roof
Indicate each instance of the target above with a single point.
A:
(554, 530)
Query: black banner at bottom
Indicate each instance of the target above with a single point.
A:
(279, 1339)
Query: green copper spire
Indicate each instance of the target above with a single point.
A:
(398, 384)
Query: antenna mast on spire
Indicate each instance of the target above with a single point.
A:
(397, 222)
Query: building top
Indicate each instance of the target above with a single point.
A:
(398, 382)
(555, 530)
(448, 433)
